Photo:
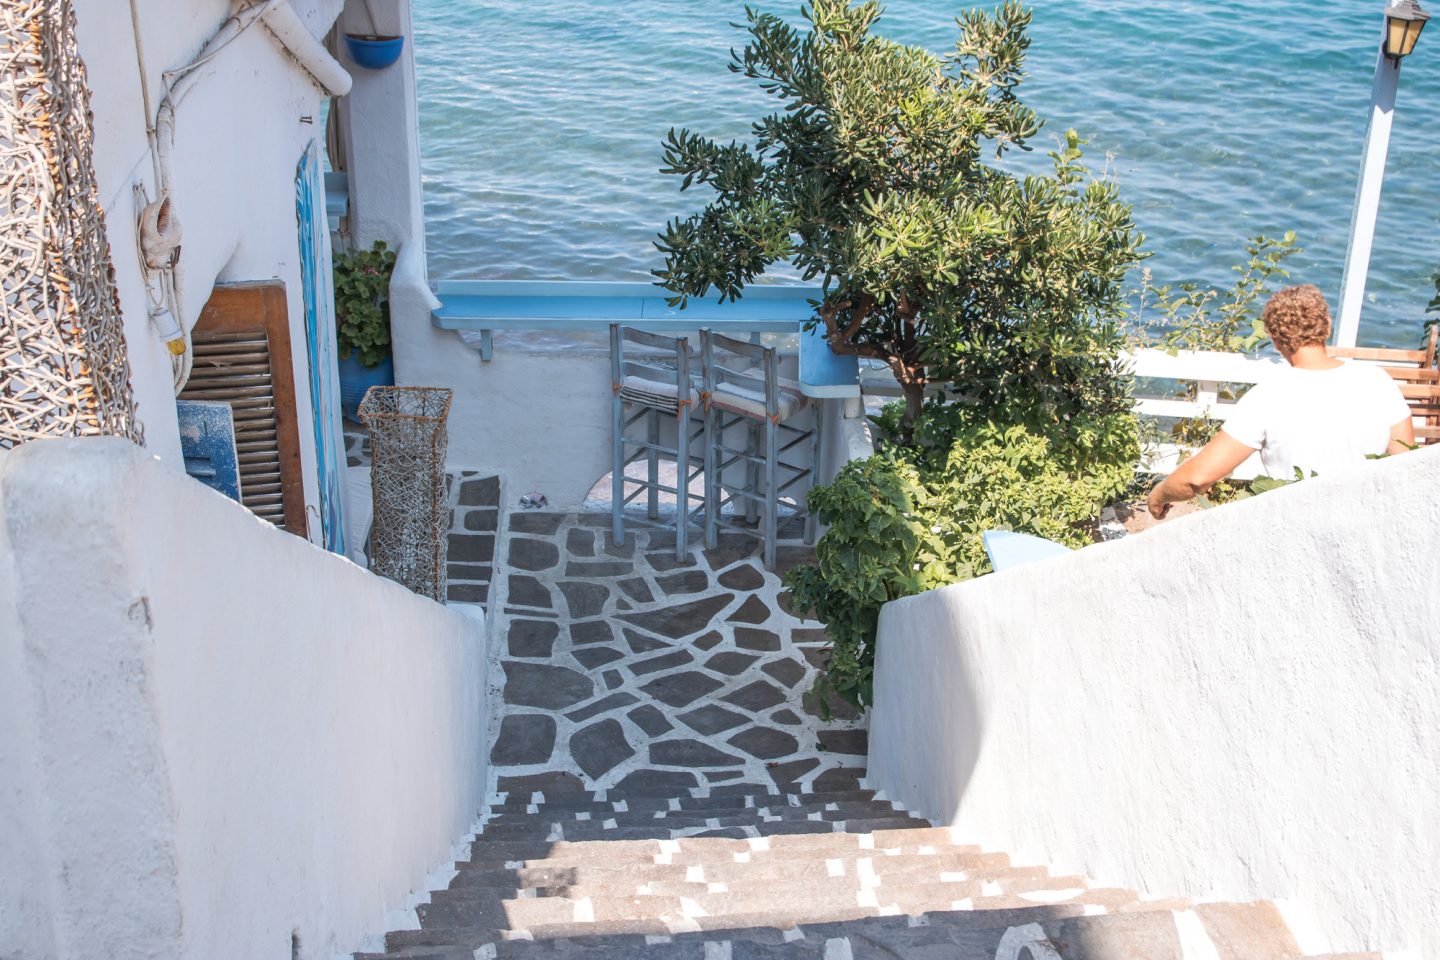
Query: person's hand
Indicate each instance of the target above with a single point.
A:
(1159, 506)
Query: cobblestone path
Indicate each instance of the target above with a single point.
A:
(625, 669)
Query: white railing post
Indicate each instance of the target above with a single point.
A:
(1367, 196)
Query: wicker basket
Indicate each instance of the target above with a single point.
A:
(411, 526)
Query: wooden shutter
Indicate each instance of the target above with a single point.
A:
(243, 357)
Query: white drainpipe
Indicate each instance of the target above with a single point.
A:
(290, 32)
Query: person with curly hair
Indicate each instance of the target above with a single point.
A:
(1318, 415)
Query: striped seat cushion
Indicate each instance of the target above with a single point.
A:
(654, 393)
(751, 403)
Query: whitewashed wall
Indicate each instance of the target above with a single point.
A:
(25, 929)
(238, 138)
(1240, 703)
(215, 736)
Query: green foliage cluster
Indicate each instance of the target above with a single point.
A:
(901, 522)
(995, 299)
(1193, 317)
(871, 177)
(362, 303)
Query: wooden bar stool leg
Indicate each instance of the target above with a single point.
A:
(617, 441)
(712, 480)
(617, 471)
(752, 471)
(652, 456)
(817, 448)
(771, 494)
(682, 480)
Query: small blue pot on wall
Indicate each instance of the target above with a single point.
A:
(356, 378)
(372, 52)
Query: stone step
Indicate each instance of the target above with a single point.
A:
(774, 928)
(592, 805)
(809, 902)
(639, 825)
(938, 935)
(916, 840)
(687, 800)
(717, 896)
(857, 808)
(984, 865)
(630, 795)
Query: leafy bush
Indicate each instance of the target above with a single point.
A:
(1196, 318)
(362, 303)
(897, 530)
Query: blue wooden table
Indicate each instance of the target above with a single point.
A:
(484, 306)
(824, 374)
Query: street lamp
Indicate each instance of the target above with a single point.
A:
(1403, 23)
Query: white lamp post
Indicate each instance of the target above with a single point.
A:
(1403, 23)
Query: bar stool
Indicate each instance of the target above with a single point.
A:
(743, 388)
(652, 387)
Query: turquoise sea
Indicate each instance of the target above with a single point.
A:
(541, 123)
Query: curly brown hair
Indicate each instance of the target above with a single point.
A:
(1297, 317)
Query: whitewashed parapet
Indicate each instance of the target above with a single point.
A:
(1238, 704)
(197, 708)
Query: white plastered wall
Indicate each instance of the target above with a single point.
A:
(1241, 703)
(238, 138)
(25, 925)
(216, 747)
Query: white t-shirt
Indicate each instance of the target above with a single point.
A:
(1322, 421)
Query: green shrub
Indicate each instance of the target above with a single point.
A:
(1192, 317)
(882, 545)
(362, 303)
(897, 529)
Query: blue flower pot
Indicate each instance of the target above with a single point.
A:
(355, 379)
(373, 53)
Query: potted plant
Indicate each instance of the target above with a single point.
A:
(362, 322)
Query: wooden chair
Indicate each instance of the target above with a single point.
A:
(1416, 373)
(744, 393)
(655, 384)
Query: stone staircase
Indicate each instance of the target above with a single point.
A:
(744, 872)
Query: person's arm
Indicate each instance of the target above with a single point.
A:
(1215, 461)
(1402, 436)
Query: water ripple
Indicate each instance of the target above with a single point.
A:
(542, 124)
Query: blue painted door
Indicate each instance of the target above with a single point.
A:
(320, 336)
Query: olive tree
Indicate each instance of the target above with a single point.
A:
(876, 174)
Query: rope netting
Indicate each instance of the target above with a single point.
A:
(408, 440)
(63, 366)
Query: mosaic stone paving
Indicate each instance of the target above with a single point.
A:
(625, 669)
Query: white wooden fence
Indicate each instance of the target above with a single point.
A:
(1196, 384)
(1210, 380)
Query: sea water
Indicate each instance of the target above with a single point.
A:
(542, 122)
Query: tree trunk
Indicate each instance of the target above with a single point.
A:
(914, 392)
